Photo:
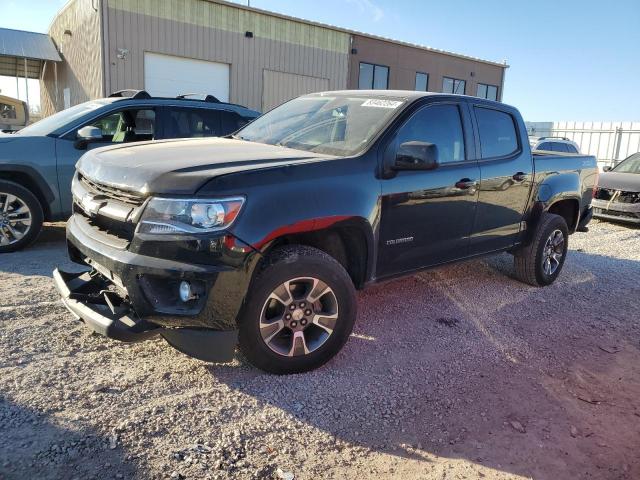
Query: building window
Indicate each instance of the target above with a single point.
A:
(490, 92)
(453, 85)
(422, 81)
(373, 77)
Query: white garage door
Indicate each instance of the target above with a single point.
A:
(280, 87)
(169, 76)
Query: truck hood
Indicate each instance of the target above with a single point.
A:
(182, 166)
(627, 182)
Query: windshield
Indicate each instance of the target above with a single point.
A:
(60, 119)
(630, 165)
(332, 124)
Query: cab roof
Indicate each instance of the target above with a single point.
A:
(410, 95)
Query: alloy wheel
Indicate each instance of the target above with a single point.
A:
(553, 252)
(299, 316)
(15, 219)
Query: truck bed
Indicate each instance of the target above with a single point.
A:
(563, 162)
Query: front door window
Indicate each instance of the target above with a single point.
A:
(127, 126)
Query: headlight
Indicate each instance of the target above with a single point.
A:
(174, 215)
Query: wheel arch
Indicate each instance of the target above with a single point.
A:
(559, 194)
(349, 242)
(33, 181)
(567, 208)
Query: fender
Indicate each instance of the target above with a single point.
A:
(558, 186)
(553, 188)
(304, 198)
(32, 174)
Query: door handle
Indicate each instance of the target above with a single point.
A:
(466, 184)
(519, 177)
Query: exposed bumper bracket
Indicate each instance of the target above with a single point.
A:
(85, 297)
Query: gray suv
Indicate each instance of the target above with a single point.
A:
(37, 163)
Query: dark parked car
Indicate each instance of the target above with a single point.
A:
(262, 238)
(618, 194)
(38, 162)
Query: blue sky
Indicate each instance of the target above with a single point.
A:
(570, 59)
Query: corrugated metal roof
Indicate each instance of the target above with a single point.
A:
(21, 44)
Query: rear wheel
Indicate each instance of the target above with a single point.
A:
(20, 217)
(299, 312)
(540, 262)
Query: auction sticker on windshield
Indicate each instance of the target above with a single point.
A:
(379, 103)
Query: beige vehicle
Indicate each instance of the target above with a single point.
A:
(14, 114)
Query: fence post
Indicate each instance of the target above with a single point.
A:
(618, 143)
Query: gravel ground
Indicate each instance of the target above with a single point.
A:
(459, 372)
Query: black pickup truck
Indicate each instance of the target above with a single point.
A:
(262, 238)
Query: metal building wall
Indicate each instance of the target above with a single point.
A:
(280, 87)
(214, 31)
(404, 61)
(81, 70)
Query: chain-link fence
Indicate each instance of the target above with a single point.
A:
(609, 142)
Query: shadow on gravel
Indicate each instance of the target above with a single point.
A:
(51, 233)
(464, 362)
(33, 447)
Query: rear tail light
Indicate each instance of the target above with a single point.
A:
(595, 185)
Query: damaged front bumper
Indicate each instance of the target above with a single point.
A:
(131, 297)
(87, 297)
(617, 211)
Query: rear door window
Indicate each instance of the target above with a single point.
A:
(190, 123)
(498, 137)
(231, 122)
(559, 147)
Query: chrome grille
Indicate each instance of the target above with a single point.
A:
(109, 227)
(127, 197)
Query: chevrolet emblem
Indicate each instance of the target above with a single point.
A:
(90, 205)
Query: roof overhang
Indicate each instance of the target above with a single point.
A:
(22, 54)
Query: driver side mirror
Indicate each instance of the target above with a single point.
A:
(606, 168)
(416, 156)
(86, 135)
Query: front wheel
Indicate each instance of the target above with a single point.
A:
(299, 311)
(540, 262)
(20, 217)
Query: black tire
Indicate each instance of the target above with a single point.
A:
(530, 260)
(292, 263)
(35, 209)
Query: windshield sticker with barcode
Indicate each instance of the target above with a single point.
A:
(379, 103)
